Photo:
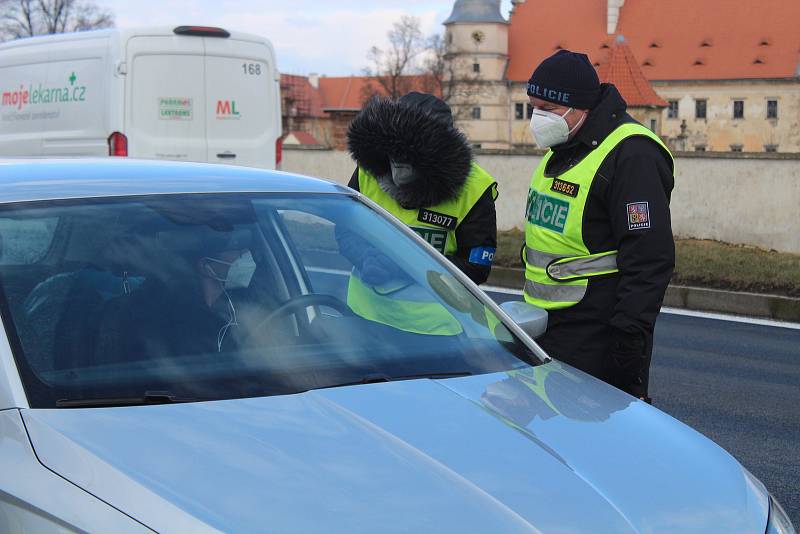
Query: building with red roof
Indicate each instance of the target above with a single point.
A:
(705, 75)
(724, 77)
(623, 71)
(324, 106)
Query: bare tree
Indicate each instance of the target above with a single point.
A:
(26, 18)
(413, 62)
(451, 77)
(391, 67)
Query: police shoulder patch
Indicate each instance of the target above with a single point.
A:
(638, 215)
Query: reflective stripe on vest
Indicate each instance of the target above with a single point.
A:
(563, 268)
(441, 238)
(558, 264)
(554, 292)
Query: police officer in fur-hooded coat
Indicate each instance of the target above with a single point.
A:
(415, 164)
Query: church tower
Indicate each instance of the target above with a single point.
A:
(476, 35)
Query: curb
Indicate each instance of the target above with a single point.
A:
(693, 298)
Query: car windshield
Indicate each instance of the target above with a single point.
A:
(200, 297)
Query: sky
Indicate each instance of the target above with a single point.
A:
(328, 37)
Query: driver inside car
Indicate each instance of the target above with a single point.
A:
(192, 306)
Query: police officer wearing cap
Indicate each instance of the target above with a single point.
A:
(599, 251)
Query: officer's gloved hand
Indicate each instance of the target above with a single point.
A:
(377, 269)
(627, 363)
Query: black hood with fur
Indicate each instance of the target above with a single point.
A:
(387, 130)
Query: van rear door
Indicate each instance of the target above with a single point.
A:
(242, 95)
(165, 115)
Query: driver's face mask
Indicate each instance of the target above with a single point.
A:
(235, 274)
(241, 271)
(216, 269)
(403, 173)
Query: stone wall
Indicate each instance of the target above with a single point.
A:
(751, 199)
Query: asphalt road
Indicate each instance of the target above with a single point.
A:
(739, 384)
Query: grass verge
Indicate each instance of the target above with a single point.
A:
(704, 263)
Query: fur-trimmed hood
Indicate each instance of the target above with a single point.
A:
(439, 153)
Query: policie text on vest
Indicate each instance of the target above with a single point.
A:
(546, 211)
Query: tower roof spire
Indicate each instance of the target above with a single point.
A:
(476, 11)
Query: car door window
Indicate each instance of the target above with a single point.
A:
(314, 238)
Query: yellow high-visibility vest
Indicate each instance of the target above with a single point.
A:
(411, 308)
(558, 265)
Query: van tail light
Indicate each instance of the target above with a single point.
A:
(202, 31)
(278, 152)
(117, 145)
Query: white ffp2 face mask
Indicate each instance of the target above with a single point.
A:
(550, 129)
(239, 272)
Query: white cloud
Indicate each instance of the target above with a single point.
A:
(332, 43)
(309, 35)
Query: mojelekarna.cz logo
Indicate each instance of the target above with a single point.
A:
(24, 96)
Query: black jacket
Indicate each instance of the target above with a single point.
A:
(617, 316)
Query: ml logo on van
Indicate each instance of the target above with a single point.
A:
(24, 96)
(226, 109)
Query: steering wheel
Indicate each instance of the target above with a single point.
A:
(301, 302)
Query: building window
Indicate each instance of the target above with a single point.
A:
(653, 125)
(699, 148)
(738, 109)
(530, 111)
(449, 38)
(772, 109)
(736, 148)
(476, 67)
(476, 113)
(672, 110)
(770, 148)
(700, 109)
(519, 111)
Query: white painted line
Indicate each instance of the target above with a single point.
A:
(731, 318)
(687, 313)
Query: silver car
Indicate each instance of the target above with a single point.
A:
(195, 348)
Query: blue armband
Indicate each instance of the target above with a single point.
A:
(482, 255)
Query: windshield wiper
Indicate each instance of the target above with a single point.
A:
(380, 377)
(149, 397)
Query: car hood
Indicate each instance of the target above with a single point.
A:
(545, 449)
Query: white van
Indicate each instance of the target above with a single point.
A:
(190, 93)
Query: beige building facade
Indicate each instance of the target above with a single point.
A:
(732, 116)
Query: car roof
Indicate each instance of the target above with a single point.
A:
(24, 180)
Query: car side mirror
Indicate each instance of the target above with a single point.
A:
(531, 319)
